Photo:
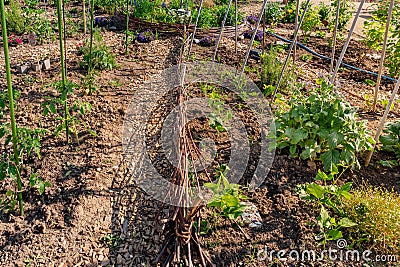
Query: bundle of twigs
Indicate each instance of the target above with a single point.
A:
(182, 244)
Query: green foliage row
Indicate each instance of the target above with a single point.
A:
(374, 31)
(315, 17)
(30, 19)
(209, 16)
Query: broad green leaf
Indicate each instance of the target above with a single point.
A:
(335, 234)
(230, 200)
(346, 222)
(315, 190)
(298, 135)
(324, 215)
(329, 158)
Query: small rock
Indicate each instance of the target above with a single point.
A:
(312, 165)
(112, 28)
(46, 64)
(36, 67)
(22, 69)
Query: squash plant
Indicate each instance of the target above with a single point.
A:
(322, 126)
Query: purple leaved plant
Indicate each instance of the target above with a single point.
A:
(249, 33)
(209, 40)
(252, 19)
(145, 37)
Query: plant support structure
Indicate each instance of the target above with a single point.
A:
(10, 92)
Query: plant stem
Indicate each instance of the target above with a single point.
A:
(11, 105)
(63, 72)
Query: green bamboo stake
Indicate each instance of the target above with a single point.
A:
(11, 103)
(84, 17)
(90, 67)
(63, 72)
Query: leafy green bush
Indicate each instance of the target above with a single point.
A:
(377, 214)
(102, 58)
(270, 70)
(322, 126)
(230, 19)
(227, 197)
(345, 14)
(108, 6)
(374, 31)
(273, 13)
(328, 198)
(391, 138)
(311, 21)
(289, 12)
(15, 19)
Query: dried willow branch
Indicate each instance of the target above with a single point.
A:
(182, 244)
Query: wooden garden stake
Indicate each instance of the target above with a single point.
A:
(63, 71)
(221, 31)
(296, 22)
(236, 25)
(383, 54)
(296, 32)
(332, 80)
(246, 58)
(195, 27)
(383, 120)
(10, 92)
(335, 37)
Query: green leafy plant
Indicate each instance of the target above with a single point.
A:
(102, 58)
(219, 116)
(324, 12)
(15, 18)
(230, 19)
(69, 121)
(289, 12)
(345, 14)
(322, 126)
(227, 197)
(390, 140)
(329, 198)
(374, 31)
(306, 57)
(310, 23)
(270, 70)
(273, 13)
